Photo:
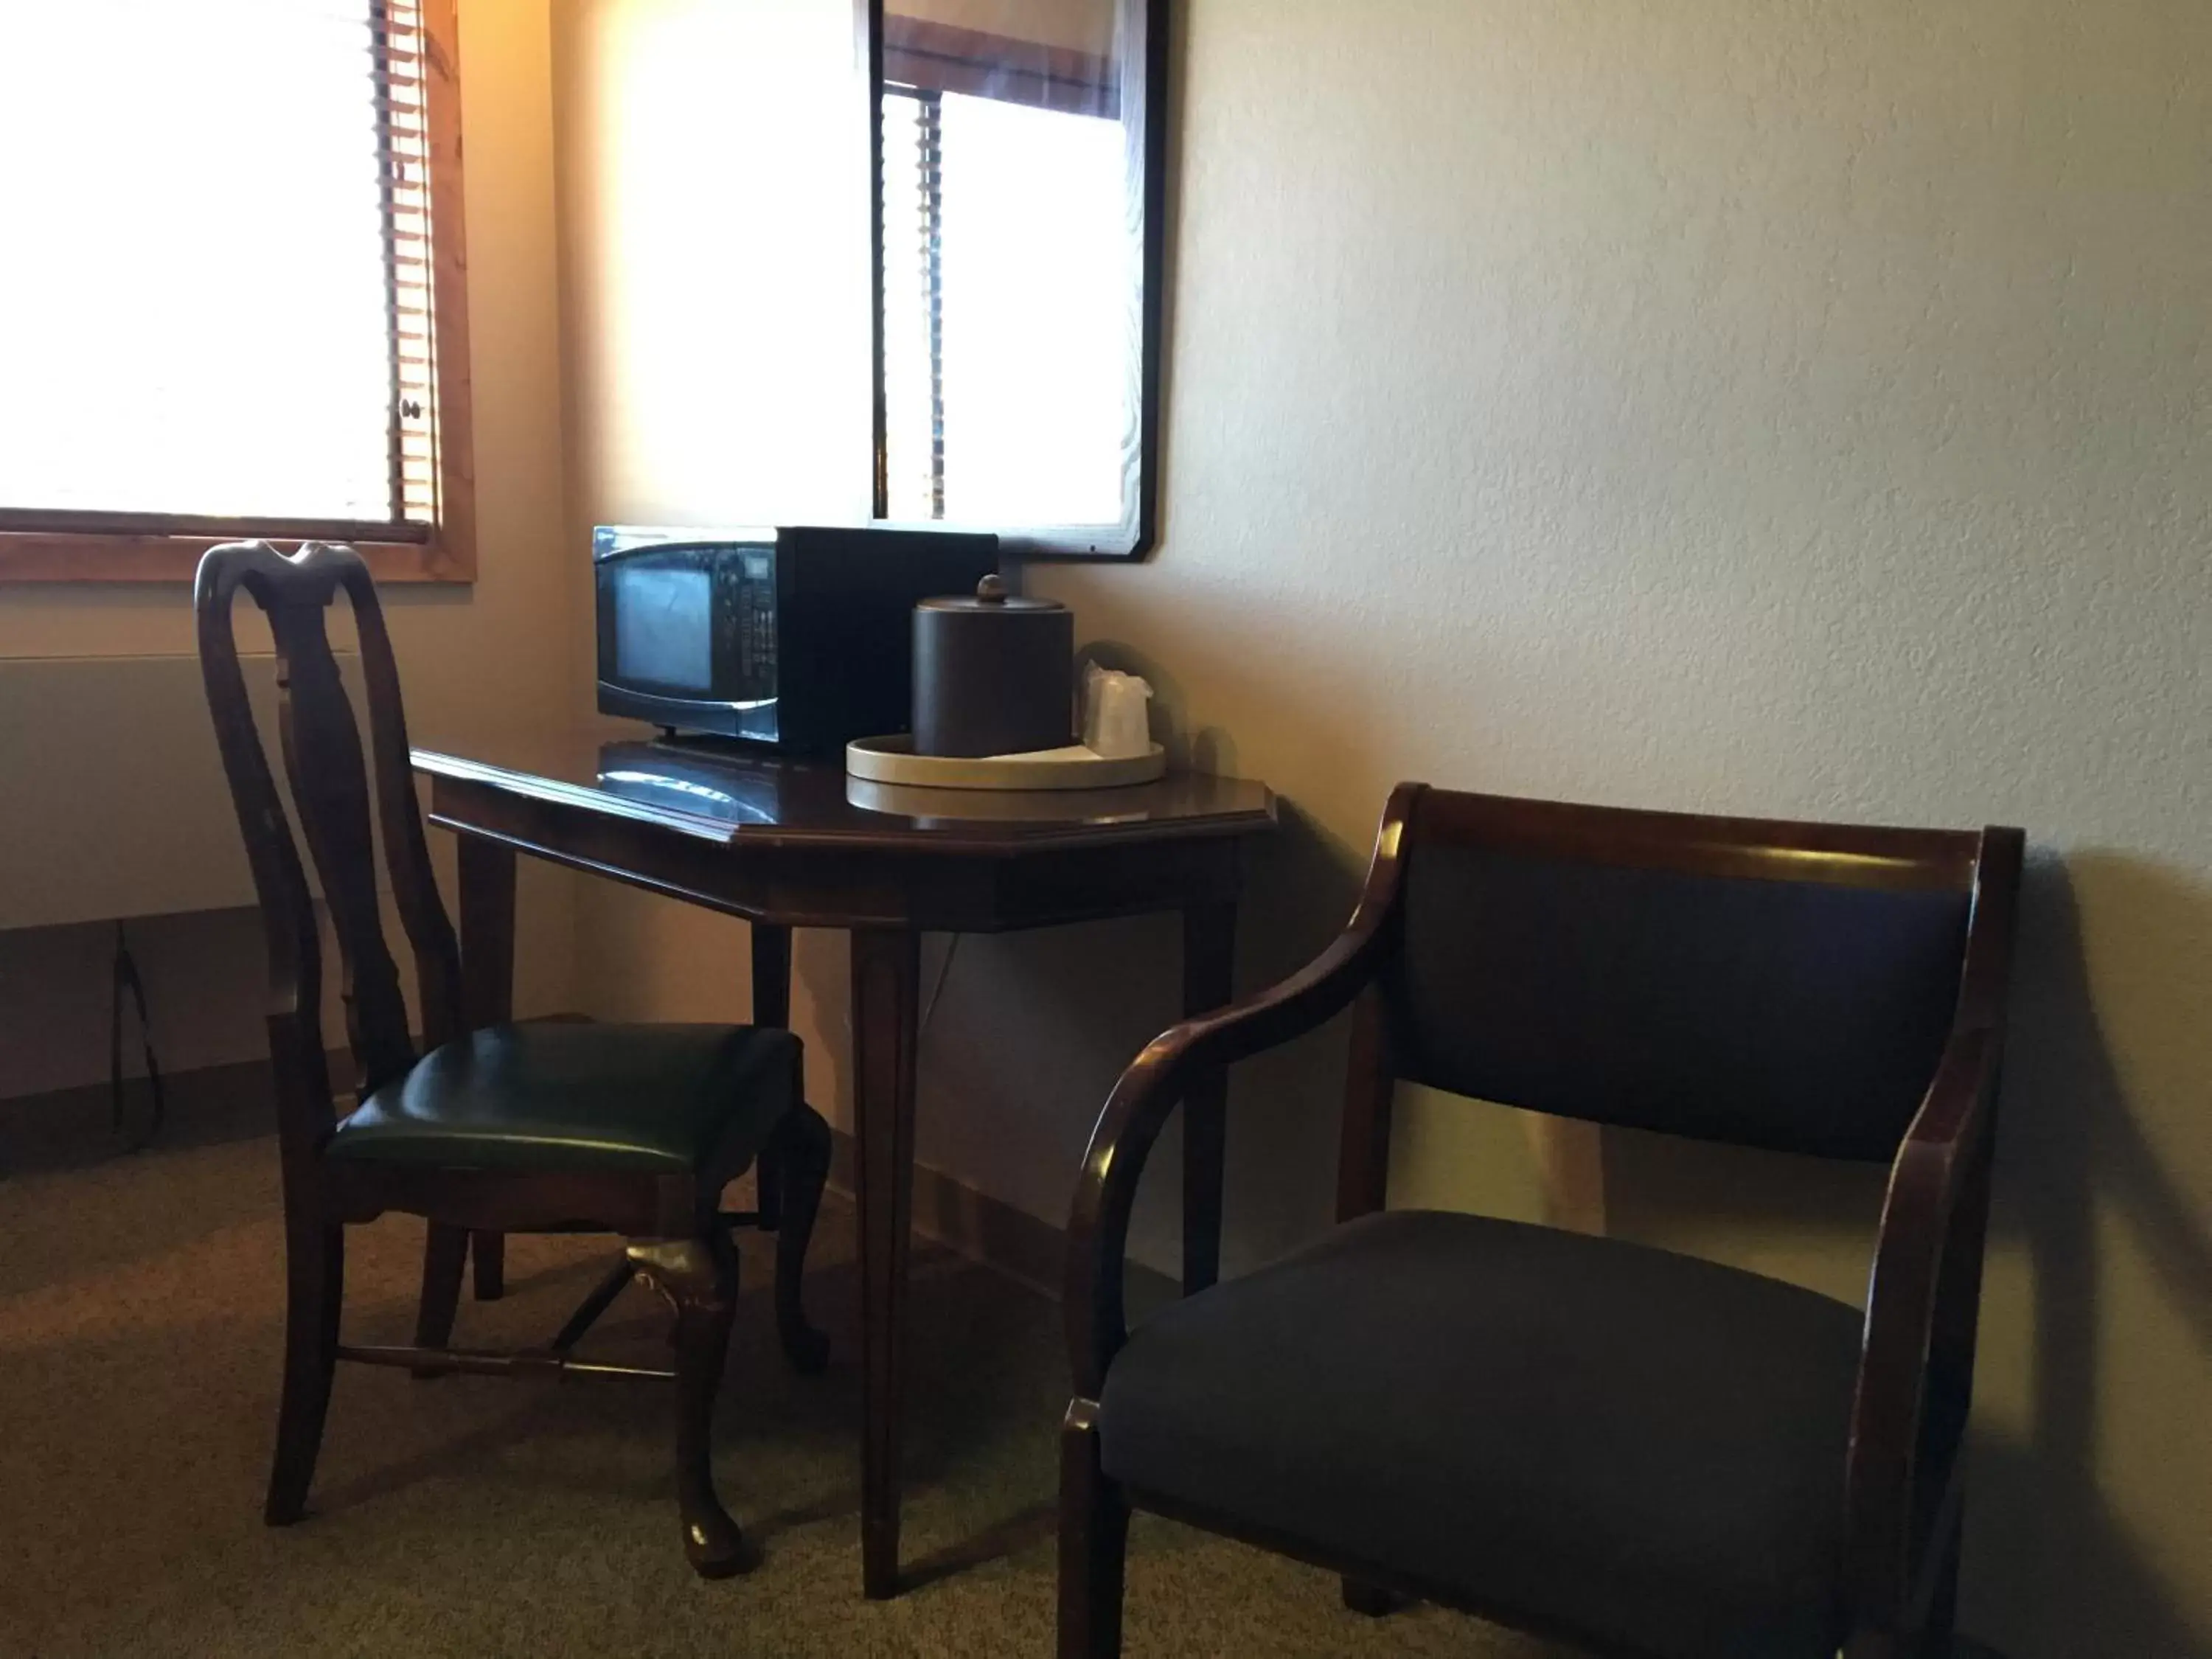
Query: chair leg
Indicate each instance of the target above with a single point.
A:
(1936, 1636)
(699, 1278)
(616, 1281)
(445, 1253)
(1371, 1601)
(768, 1184)
(1094, 1538)
(801, 1166)
(314, 1285)
(491, 1266)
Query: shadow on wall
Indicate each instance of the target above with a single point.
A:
(2066, 1352)
(1033, 1029)
(2049, 1568)
(1123, 979)
(1286, 1107)
(2070, 1341)
(1209, 749)
(821, 977)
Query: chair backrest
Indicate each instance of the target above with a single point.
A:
(1788, 986)
(329, 785)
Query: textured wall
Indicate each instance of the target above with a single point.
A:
(1736, 404)
(712, 163)
(1739, 406)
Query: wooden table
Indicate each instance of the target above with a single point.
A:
(790, 844)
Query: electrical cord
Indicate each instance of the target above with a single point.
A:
(943, 973)
(125, 978)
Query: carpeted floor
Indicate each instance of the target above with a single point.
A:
(140, 1311)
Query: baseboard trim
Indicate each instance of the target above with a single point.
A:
(986, 1229)
(68, 1127)
(65, 1128)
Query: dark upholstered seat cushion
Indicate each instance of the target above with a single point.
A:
(652, 1099)
(1634, 1445)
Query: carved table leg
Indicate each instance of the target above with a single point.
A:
(488, 990)
(699, 1278)
(886, 989)
(772, 1007)
(1209, 949)
(801, 1169)
(771, 975)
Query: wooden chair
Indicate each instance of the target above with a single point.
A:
(536, 1127)
(1644, 1452)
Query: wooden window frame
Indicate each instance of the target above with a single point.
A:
(931, 57)
(37, 545)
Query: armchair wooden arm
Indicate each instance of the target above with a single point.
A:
(1154, 1084)
(1908, 1415)
(1908, 1421)
(1827, 990)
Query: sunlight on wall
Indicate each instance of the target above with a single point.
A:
(715, 160)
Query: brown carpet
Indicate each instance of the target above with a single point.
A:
(139, 1311)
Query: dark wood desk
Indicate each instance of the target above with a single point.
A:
(786, 844)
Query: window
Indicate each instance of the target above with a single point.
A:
(232, 300)
(1011, 265)
(1003, 231)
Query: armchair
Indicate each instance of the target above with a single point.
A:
(1652, 1456)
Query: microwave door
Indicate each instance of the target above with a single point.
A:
(687, 638)
(664, 632)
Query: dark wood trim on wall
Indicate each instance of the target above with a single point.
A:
(987, 1230)
(69, 1129)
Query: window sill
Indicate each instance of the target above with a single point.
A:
(49, 556)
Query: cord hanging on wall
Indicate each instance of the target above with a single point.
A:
(125, 978)
(943, 973)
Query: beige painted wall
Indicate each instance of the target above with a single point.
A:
(483, 659)
(713, 177)
(1747, 406)
(1740, 405)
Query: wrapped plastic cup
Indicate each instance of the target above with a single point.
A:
(1116, 723)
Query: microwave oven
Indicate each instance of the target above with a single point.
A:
(798, 640)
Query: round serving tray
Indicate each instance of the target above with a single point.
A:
(892, 760)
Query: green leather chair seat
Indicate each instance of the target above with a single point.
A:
(652, 1099)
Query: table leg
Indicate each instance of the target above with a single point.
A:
(771, 1007)
(488, 991)
(771, 975)
(886, 991)
(1209, 951)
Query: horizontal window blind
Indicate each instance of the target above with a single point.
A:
(1009, 394)
(399, 49)
(215, 266)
